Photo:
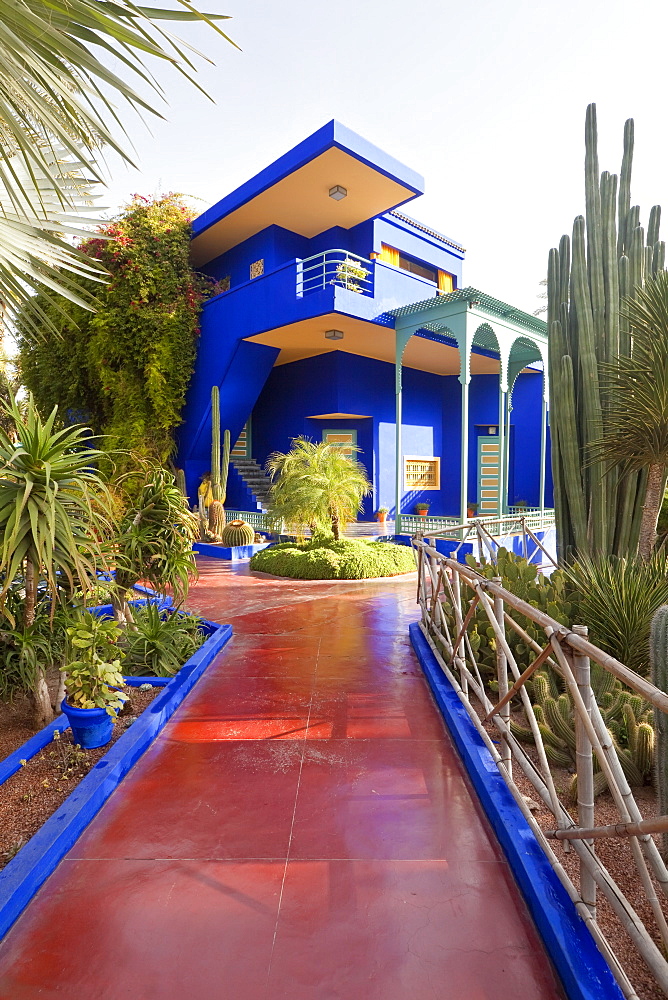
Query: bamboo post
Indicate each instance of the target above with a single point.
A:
(584, 763)
(459, 649)
(502, 676)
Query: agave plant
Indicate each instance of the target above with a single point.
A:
(160, 642)
(316, 485)
(55, 517)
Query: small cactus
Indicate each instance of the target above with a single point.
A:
(181, 481)
(237, 533)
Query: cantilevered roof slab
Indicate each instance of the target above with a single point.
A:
(293, 192)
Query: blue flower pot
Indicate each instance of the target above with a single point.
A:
(91, 727)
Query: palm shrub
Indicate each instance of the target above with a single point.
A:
(635, 436)
(617, 598)
(60, 107)
(55, 520)
(154, 541)
(160, 642)
(314, 485)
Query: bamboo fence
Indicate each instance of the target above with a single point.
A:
(449, 594)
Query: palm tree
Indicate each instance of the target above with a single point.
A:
(316, 485)
(636, 399)
(55, 517)
(57, 114)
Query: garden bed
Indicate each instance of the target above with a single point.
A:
(326, 559)
(33, 793)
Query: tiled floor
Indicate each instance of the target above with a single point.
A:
(300, 829)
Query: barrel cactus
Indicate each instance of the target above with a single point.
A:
(237, 533)
(658, 658)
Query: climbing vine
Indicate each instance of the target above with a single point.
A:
(125, 369)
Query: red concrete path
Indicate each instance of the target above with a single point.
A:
(301, 829)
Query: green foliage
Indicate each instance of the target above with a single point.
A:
(160, 642)
(125, 369)
(617, 599)
(92, 679)
(55, 511)
(60, 107)
(156, 533)
(598, 510)
(315, 486)
(325, 559)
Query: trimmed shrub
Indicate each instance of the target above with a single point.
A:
(324, 559)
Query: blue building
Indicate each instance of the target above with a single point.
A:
(342, 318)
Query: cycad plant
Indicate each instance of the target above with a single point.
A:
(635, 433)
(55, 517)
(315, 485)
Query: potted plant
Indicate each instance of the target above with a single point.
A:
(422, 508)
(93, 681)
(471, 509)
(381, 514)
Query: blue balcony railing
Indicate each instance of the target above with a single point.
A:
(335, 267)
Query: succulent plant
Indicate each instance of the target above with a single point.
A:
(219, 469)
(658, 658)
(237, 533)
(598, 511)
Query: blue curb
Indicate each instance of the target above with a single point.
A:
(233, 553)
(584, 973)
(11, 764)
(33, 864)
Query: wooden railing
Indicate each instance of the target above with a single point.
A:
(450, 594)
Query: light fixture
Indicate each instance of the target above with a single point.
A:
(338, 192)
(334, 334)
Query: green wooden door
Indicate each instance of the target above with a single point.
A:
(488, 475)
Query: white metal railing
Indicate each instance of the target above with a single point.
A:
(450, 596)
(487, 533)
(335, 267)
(256, 519)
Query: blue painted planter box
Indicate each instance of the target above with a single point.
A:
(33, 864)
(234, 554)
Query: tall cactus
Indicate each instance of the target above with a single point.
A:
(219, 470)
(598, 512)
(658, 658)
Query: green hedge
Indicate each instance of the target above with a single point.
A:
(348, 559)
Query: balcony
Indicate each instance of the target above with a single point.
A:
(335, 267)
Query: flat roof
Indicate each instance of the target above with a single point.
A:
(293, 192)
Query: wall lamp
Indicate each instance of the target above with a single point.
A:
(338, 192)
(334, 334)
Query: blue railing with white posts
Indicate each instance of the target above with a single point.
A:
(335, 267)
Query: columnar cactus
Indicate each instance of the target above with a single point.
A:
(219, 470)
(181, 481)
(597, 511)
(658, 658)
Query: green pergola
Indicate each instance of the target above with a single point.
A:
(474, 319)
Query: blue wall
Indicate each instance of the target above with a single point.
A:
(343, 383)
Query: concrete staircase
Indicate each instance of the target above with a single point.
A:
(254, 479)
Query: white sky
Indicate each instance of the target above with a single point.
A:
(485, 99)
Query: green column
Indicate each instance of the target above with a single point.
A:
(502, 438)
(401, 339)
(464, 465)
(543, 455)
